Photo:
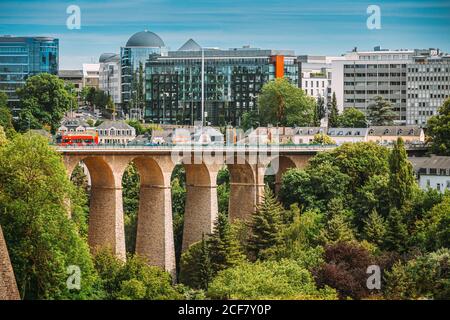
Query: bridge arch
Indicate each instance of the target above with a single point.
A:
(106, 228)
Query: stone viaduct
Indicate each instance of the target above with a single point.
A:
(154, 239)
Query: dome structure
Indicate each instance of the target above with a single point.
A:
(190, 45)
(108, 57)
(145, 39)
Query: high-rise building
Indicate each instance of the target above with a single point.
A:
(21, 57)
(110, 76)
(361, 75)
(133, 56)
(428, 85)
(232, 80)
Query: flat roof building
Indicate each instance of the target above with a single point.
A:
(232, 80)
(22, 57)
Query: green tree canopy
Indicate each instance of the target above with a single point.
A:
(439, 130)
(267, 280)
(352, 118)
(381, 112)
(44, 99)
(42, 240)
(283, 103)
(333, 112)
(265, 225)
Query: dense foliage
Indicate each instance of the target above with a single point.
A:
(439, 130)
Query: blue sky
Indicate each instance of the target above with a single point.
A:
(308, 27)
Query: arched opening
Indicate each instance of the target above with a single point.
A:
(275, 170)
(201, 207)
(105, 215)
(178, 188)
(130, 194)
(243, 191)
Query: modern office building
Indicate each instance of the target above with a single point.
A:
(110, 76)
(232, 80)
(21, 57)
(428, 85)
(136, 52)
(362, 75)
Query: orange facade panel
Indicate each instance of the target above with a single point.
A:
(279, 66)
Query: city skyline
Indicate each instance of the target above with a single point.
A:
(301, 26)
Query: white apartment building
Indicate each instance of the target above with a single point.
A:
(110, 76)
(416, 82)
(315, 76)
(359, 76)
(428, 86)
(91, 74)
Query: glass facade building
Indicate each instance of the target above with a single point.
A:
(21, 57)
(133, 56)
(232, 81)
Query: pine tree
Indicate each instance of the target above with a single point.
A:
(401, 178)
(223, 248)
(375, 228)
(333, 117)
(338, 229)
(205, 271)
(265, 225)
(397, 232)
(319, 111)
(381, 112)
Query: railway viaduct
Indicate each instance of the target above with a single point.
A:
(154, 239)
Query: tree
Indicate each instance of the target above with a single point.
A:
(133, 279)
(42, 240)
(397, 233)
(44, 99)
(283, 279)
(131, 188)
(322, 138)
(401, 177)
(265, 225)
(250, 120)
(5, 113)
(381, 112)
(223, 246)
(285, 104)
(375, 228)
(433, 231)
(439, 130)
(352, 118)
(333, 113)
(345, 270)
(319, 111)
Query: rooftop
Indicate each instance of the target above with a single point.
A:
(433, 162)
(145, 39)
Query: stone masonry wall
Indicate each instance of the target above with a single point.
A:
(8, 285)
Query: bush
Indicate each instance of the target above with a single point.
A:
(267, 280)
